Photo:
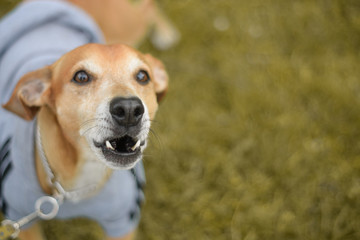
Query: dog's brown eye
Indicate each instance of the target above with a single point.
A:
(142, 77)
(81, 77)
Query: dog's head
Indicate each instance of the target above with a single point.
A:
(103, 96)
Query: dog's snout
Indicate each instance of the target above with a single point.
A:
(126, 111)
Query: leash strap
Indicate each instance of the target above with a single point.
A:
(51, 178)
(11, 229)
(49, 173)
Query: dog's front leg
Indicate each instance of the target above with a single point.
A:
(33, 233)
(130, 236)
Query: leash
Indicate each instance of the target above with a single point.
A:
(54, 182)
(10, 229)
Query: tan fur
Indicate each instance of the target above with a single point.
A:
(65, 106)
(131, 21)
(35, 233)
(62, 123)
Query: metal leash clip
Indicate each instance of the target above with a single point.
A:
(10, 229)
(7, 230)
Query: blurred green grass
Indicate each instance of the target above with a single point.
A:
(258, 137)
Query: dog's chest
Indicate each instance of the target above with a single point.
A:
(91, 176)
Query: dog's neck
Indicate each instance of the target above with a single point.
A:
(72, 168)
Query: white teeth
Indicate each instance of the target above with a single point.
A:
(109, 146)
(137, 144)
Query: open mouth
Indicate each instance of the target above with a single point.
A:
(124, 150)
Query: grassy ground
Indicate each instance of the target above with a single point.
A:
(260, 132)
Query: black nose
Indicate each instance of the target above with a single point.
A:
(126, 111)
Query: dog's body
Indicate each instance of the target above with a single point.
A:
(94, 107)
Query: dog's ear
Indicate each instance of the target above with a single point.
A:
(161, 78)
(31, 92)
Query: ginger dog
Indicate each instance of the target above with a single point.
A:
(89, 108)
(94, 107)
